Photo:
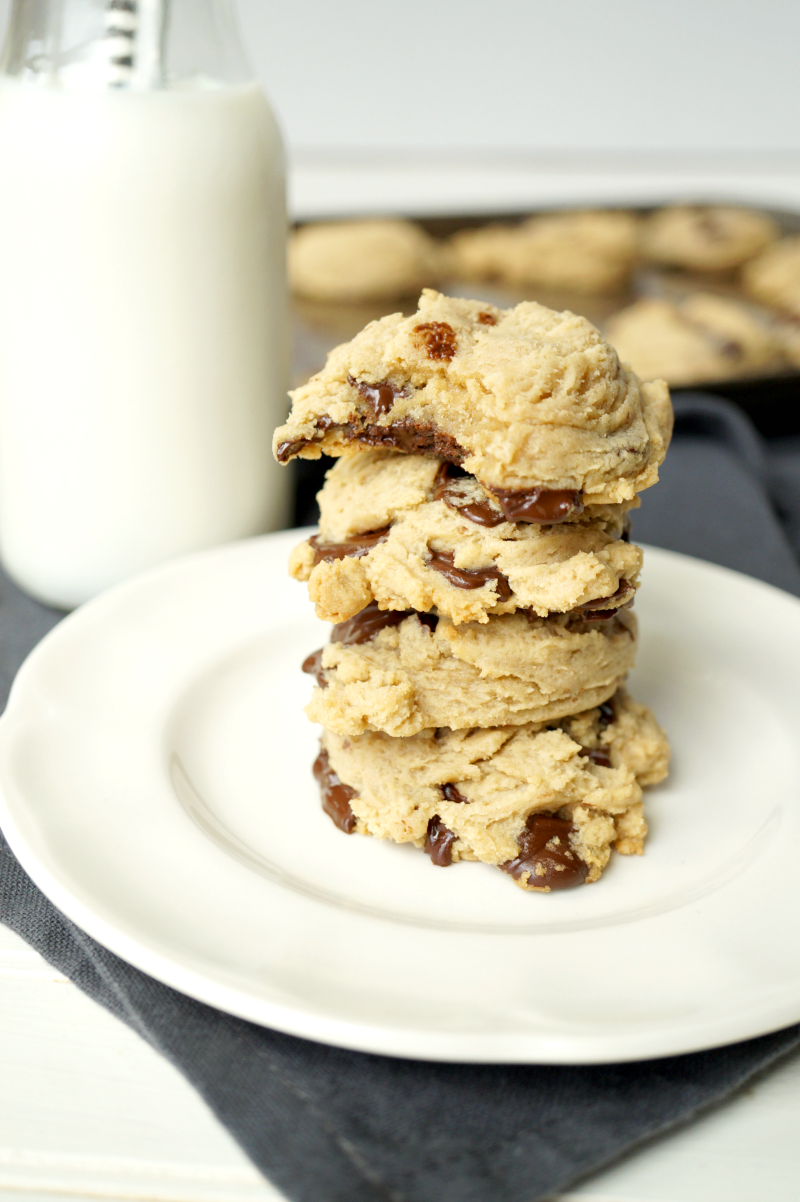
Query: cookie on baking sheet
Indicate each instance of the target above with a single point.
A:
(362, 260)
(706, 237)
(404, 672)
(577, 251)
(524, 399)
(398, 530)
(546, 804)
(703, 337)
(774, 277)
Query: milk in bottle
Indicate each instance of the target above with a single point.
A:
(142, 294)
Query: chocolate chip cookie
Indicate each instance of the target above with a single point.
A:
(530, 401)
(703, 337)
(401, 531)
(574, 251)
(400, 673)
(362, 260)
(544, 803)
(706, 237)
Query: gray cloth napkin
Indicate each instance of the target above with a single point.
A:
(326, 1125)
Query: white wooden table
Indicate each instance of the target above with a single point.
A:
(89, 1111)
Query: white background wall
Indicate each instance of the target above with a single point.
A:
(529, 75)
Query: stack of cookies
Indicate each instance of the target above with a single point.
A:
(473, 556)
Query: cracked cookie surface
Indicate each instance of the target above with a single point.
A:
(485, 794)
(523, 399)
(394, 529)
(422, 672)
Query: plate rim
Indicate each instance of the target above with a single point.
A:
(378, 1038)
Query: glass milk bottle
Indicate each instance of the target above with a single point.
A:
(142, 291)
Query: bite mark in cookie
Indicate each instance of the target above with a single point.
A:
(532, 399)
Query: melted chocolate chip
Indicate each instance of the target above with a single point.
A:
(731, 349)
(439, 843)
(336, 795)
(603, 608)
(598, 755)
(451, 793)
(353, 547)
(486, 319)
(380, 397)
(545, 854)
(312, 664)
(288, 450)
(446, 489)
(364, 625)
(608, 713)
(439, 339)
(545, 506)
(442, 561)
(413, 438)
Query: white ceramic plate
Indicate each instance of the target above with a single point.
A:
(156, 784)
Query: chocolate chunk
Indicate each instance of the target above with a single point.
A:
(335, 794)
(442, 561)
(312, 664)
(447, 489)
(608, 713)
(413, 438)
(598, 755)
(438, 338)
(603, 608)
(439, 843)
(545, 854)
(545, 506)
(288, 450)
(380, 397)
(364, 625)
(353, 547)
(486, 319)
(451, 793)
